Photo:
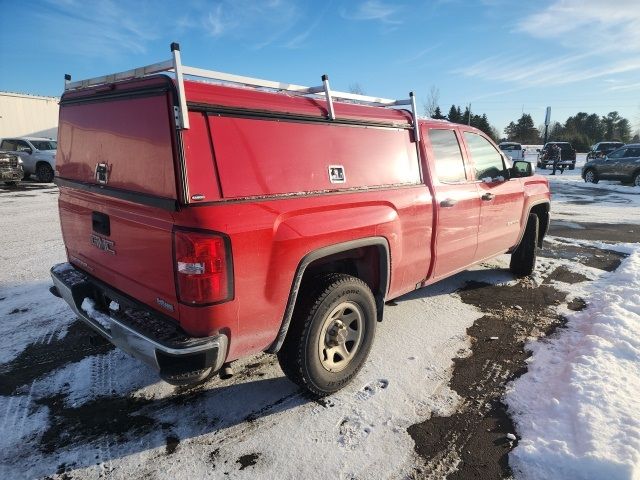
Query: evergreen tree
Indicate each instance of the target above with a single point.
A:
(438, 114)
(523, 131)
(454, 114)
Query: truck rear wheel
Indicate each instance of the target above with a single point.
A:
(523, 259)
(330, 335)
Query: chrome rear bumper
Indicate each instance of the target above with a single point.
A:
(137, 330)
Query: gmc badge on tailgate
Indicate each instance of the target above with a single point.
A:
(103, 244)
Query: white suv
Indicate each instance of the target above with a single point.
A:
(38, 155)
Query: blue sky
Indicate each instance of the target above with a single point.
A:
(501, 56)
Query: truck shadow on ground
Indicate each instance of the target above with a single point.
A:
(110, 424)
(132, 424)
(24, 188)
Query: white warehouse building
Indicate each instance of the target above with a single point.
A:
(23, 115)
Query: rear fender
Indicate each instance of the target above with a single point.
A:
(384, 268)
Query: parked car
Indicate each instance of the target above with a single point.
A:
(513, 150)
(38, 155)
(567, 155)
(11, 172)
(602, 149)
(290, 238)
(622, 164)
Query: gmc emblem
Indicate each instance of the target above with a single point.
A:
(103, 244)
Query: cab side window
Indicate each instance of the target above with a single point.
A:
(448, 156)
(22, 146)
(632, 152)
(487, 160)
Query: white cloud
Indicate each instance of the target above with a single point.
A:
(373, 10)
(94, 29)
(588, 24)
(261, 22)
(594, 39)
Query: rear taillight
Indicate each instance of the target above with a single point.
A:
(203, 267)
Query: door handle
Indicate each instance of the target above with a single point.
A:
(488, 196)
(449, 202)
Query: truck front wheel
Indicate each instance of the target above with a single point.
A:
(330, 335)
(523, 259)
(44, 172)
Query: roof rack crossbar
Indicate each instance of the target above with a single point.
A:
(175, 65)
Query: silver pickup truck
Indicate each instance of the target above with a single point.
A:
(38, 155)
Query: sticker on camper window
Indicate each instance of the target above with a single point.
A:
(336, 174)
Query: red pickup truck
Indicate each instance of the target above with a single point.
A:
(209, 220)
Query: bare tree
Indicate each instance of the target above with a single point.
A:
(431, 103)
(356, 88)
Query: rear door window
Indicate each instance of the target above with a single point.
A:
(618, 153)
(632, 152)
(488, 162)
(447, 156)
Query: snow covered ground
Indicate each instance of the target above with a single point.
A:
(577, 409)
(72, 410)
(577, 201)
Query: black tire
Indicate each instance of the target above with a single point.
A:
(44, 172)
(26, 176)
(523, 259)
(636, 180)
(572, 166)
(300, 355)
(543, 166)
(591, 176)
(11, 184)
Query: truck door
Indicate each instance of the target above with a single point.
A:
(501, 200)
(612, 164)
(456, 203)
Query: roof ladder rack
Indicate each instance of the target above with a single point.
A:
(182, 119)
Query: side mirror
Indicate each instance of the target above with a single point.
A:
(521, 169)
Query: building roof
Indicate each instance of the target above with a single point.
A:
(28, 95)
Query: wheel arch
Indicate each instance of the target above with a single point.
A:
(541, 210)
(352, 257)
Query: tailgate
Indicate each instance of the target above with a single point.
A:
(116, 173)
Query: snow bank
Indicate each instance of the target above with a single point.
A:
(577, 409)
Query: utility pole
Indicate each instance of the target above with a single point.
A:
(547, 120)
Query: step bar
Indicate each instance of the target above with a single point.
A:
(175, 66)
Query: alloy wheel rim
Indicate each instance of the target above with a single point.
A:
(341, 336)
(589, 176)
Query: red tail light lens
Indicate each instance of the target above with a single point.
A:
(203, 267)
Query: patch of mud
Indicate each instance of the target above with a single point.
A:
(577, 304)
(564, 275)
(248, 460)
(115, 416)
(39, 359)
(473, 442)
(172, 444)
(608, 232)
(607, 260)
